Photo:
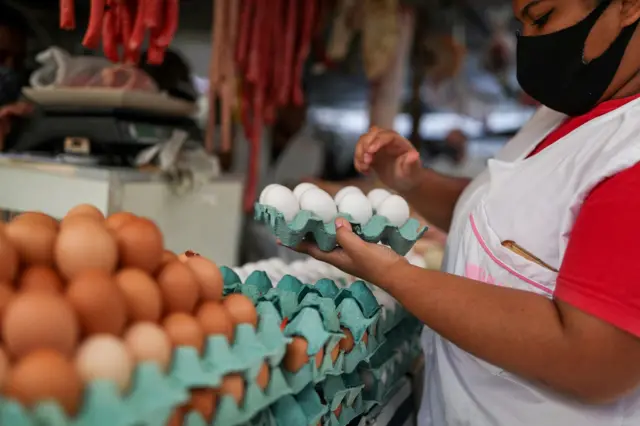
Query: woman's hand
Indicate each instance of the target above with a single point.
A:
(368, 261)
(393, 158)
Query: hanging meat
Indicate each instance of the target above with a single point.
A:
(121, 26)
(379, 35)
(268, 64)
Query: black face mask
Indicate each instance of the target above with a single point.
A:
(551, 68)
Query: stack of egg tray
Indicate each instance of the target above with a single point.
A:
(305, 224)
(329, 394)
(382, 372)
(155, 394)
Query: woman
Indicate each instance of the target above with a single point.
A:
(536, 319)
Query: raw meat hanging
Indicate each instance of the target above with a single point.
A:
(122, 25)
(269, 64)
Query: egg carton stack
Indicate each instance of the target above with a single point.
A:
(331, 331)
(309, 212)
(309, 270)
(399, 332)
(102, 326)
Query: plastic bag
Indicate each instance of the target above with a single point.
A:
(60, 69)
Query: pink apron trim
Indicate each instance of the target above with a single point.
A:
(502, 264)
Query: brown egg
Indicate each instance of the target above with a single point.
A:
(39, 217)
(141, 294)
(149, 342)
(4, 366)
(86, 210)
(168, 256)
(140, 244)
(98, 302)
(346, 343)
(41, 278)
(203, 401)
(335, 353)
(241, 309)
(365, 338)
(215, 319)
(6, 296)
(262, 379)
(116, 220)
(8, 259)
(33, 240)
(85, 245)
(319, 358)
(45, 375)
(177, 417)
(296, 356)
(179, 289)
(208, 276)
(233, 385)
(39, 320)
(184, 330)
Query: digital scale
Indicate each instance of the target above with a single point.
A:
(98, 126)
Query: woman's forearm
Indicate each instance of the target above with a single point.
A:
(435, 197)
(521, 332)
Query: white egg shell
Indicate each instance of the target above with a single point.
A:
(356, 205)
(320, 203)
(395, 209)
(302, 188)
(344, 191)
(377, 196)
(264, 192)
(282, 199)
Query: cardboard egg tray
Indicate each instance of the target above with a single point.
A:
(306, 224)
(154, 394)
(389, 363)
(344, 392)
(317, 312)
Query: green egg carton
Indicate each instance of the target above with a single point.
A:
(360, 292)
(378, 229)
(188, 370)
(154, 395)
(341, 390)
(308, 324)
(231, 280)
(255, 400)
(351, 317)
(150, 401)
(304, 409)
(386, 368)
(347, 413)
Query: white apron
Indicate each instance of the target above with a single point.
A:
(534, 202)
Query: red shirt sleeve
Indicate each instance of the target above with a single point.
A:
(600, 273)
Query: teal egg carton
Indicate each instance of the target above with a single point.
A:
(151, 400)
(305, 223)
(255, 400)
(388, 364)
(304, 409)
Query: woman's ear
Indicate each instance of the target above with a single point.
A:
(630, 12)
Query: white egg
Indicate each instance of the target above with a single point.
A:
(344, 191)
(395, 209)
(320, 203)
(302, 188)
(377, 196)
(282, 199)
(356, 205)
(264, 192)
